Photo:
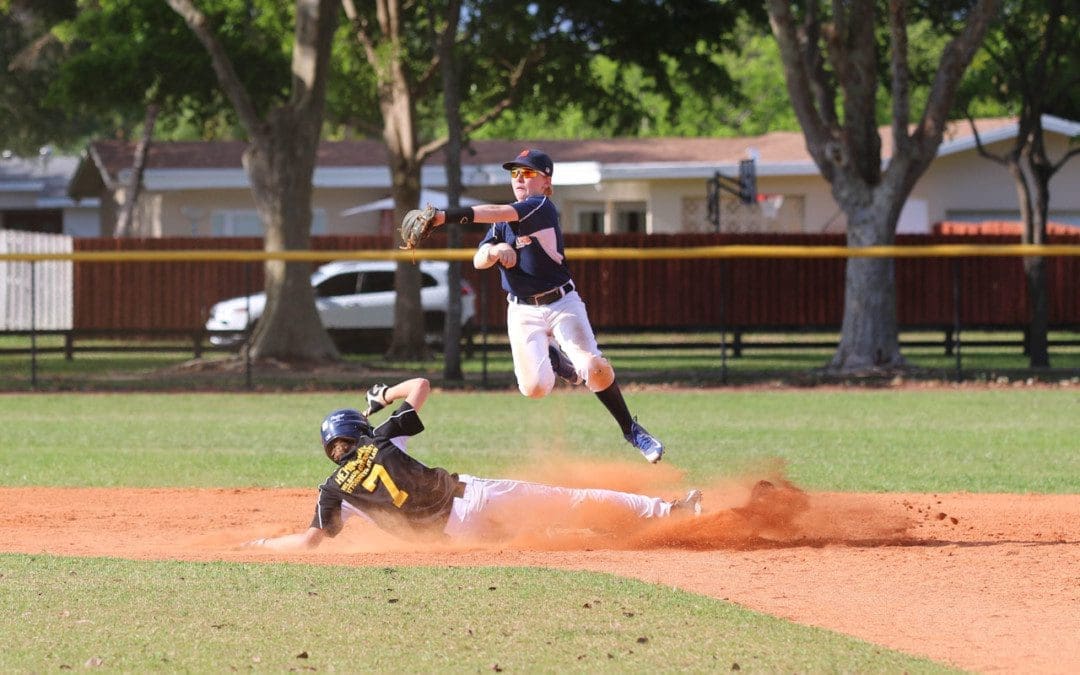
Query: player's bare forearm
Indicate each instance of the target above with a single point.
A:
(300, 541)
(488, 254)
(483, 259)
(415, 391)
(494, 213)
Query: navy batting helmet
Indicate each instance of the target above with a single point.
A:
(343, 423)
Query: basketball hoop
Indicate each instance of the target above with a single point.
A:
(770, 205)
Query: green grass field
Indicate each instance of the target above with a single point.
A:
(116, 365)
(134, 616)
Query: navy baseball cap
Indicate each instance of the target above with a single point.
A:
(532, 159)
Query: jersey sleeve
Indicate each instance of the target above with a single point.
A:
(328, 512)
(404, 421)
(535, 214)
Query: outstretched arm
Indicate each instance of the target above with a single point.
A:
(481, 213)
(300, 541)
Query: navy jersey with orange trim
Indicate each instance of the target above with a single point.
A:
(386, 484)
(538, 241)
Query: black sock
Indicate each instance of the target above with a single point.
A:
(612, 399)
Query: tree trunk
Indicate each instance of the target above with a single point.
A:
(833, 61)
(869, 341)
(407, 340)
(1035, 212)
(280, 163)
(138, 169)
(280, 169)
(1038, 341)
(452, 105)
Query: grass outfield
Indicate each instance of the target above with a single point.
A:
(647, 358)
(220, 616)
(1007, 439)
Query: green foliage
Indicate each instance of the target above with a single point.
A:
(751, 100)
(64, 613)
(1010, 74)
(127, 53)
(29, 57)
(593, 69)
(97, 64)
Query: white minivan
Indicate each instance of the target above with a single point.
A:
(355, 300)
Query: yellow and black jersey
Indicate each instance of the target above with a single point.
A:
(386, 484)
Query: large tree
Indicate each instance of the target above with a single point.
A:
(541, 54)
(1032, 65)
(280, 162)
(834, 57)
(135, 61)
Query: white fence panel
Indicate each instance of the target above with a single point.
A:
(52, 283)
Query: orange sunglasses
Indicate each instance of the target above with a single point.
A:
(519, 171)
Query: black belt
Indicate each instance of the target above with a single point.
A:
(545, 298)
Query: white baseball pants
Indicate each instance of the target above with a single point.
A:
(494, 507)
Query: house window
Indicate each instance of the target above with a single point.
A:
(47, 221)
(626, 217)
(246, 223)
(591, 221)
(630, 217)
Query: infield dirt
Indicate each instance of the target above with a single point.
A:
(981, 582)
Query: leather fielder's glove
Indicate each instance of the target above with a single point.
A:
(376, 399)
(416, 226)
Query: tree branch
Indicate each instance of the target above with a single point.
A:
(223, 67)
(901, 76)
(360, 32)
(954, 60)
(801, 75)
(980, 148)
(1056, 166)
(314, 32)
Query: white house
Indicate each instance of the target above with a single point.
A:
(34, 196)
(650, 185)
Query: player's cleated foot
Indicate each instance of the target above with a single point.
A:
(648, 444)
(562, 366)
(690, 505)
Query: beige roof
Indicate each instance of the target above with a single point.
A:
(780, 152)
(775, 147)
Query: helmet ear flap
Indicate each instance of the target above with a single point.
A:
(329, 448)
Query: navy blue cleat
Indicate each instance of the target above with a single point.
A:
(649, 446)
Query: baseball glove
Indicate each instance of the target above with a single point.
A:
(416, 226)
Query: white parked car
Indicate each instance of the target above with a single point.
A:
(355, 300)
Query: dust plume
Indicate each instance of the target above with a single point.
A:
(762, 509)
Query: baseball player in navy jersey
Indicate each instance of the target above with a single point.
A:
(376, 479)
(548, 325)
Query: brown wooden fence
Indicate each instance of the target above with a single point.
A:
(746, 294)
